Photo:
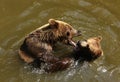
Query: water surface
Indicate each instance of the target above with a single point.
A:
(92, 17)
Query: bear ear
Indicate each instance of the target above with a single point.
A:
(99, 38)
(52, 22)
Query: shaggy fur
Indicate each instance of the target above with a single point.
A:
(40, 42)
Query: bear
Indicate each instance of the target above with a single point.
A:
(86, 50)
(38, 45)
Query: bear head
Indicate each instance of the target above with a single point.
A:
(89, 49)
(63, 31)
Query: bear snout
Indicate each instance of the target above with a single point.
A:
(78, 33)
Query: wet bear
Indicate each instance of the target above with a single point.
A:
(38, 45)
(88, 50)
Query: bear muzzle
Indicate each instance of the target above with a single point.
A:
(77, 33)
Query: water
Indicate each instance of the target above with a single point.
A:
(92, 17)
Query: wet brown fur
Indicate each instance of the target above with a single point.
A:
(89, 49)
(41, 41)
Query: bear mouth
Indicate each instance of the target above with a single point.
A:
(72, 43)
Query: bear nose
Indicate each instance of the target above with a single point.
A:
(79, 33)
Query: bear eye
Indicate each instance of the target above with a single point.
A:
(68, 33)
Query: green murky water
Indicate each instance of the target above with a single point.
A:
(92, 17)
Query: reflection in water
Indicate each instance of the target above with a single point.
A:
(92, 17)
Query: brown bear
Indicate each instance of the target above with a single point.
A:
(87, 50)
(38, 45)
